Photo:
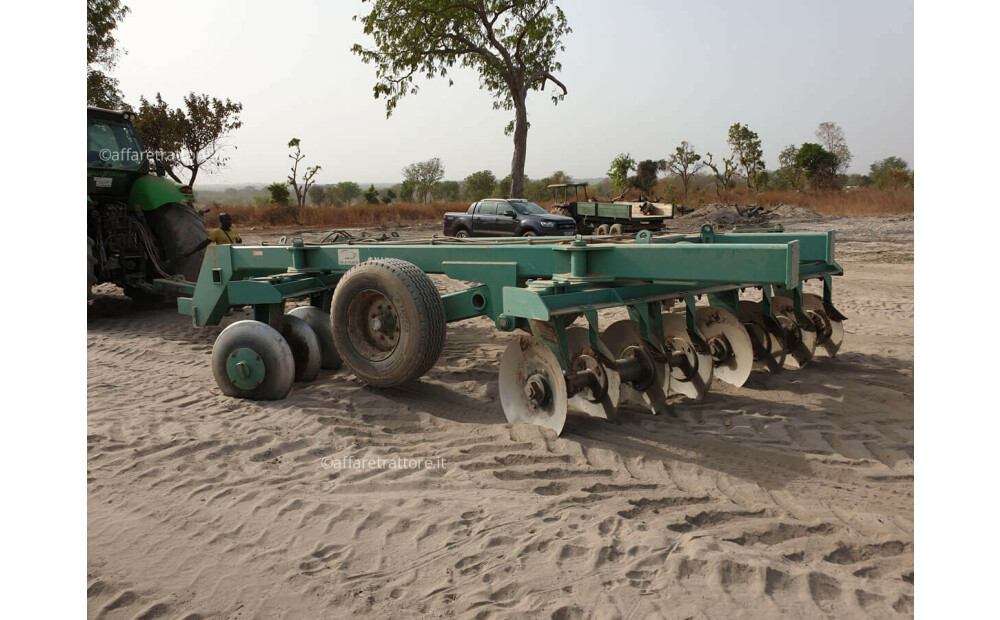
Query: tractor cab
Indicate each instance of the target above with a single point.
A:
(561, 193)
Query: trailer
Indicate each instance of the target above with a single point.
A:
(608, 218)
(373, 308)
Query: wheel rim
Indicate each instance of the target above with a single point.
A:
(373, 325)
(245, 368)
(461, 234)
(528, 234)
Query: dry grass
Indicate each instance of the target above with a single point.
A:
(356, 216)
(861, 202)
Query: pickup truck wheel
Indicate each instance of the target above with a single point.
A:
(529, 233)
(462, 234)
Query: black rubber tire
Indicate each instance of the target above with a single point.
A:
(616, 229)
(91, 268)
(461, 233)
(602, 229)
(268, 343)
(305, 347)
(420, 314)
(529, 233)
(319, 321)
(179, 229)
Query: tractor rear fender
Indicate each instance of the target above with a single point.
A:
(151, 192)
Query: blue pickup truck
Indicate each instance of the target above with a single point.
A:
(514, 217)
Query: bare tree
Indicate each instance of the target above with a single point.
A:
(301, 191)
(685, 163)
(831, 137)
(723, 178)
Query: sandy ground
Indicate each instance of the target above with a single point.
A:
(791, 496)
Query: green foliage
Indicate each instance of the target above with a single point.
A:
(103, 17)
(891, 173)
(511, 45)
(406, 191)
(645, 176)
(789, 173)
(317, 195)
(446, 190)
(192, 138)
(479, 185)
(422, 176)
(619, 171)
(348, 191)
(388, 196)
(818, 164)
(279, 193)
(502, 190)
(371, 196)
(748, 153)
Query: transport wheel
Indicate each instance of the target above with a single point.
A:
(388, 321)
(767, 339)
(728, 342)
(178, 229)
(91, 268)
(252, 360)
(305, 347)
(829, 332)
(616, 229)
(652, 386)
(599, 399)
(462, 234)
(319, 321)
(532, 385)
(601, 230)
(691, 375)
(529, 233)
(800, 338)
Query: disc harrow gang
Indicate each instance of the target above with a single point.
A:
(373, 309)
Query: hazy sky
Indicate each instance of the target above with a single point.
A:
(642, 76)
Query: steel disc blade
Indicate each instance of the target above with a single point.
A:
(800, 337)
(676, 338)
(528, 357)
(829, 339)
(723, 330)
(622, 338)
(769, 348)
(599, 402)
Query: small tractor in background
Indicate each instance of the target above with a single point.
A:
(140, 224)
(608, 218)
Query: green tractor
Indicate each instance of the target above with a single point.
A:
(140, 224)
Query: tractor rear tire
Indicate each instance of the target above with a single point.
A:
(91, 268)
(388, 321)
(179, 229)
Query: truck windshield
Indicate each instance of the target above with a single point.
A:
(525, 207)
(113, 143)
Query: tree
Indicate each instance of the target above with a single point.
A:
(388, 196)
(406, 191)
(790, 170)
(748, 153)
(307, 178)
(422, 175)
(724, 178)
(279, 193)
(192, 138)
(371, 196)
(684, 163)
(317, 194)
(512, 45)
(891, 173)
(102, 52)
(818, 164)
(348, 190)
(831, 137)
(479, 185)
(619, 171)
(446, 190)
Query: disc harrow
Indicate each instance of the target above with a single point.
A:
(373, 308)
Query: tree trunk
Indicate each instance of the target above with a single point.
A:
(520, 147)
